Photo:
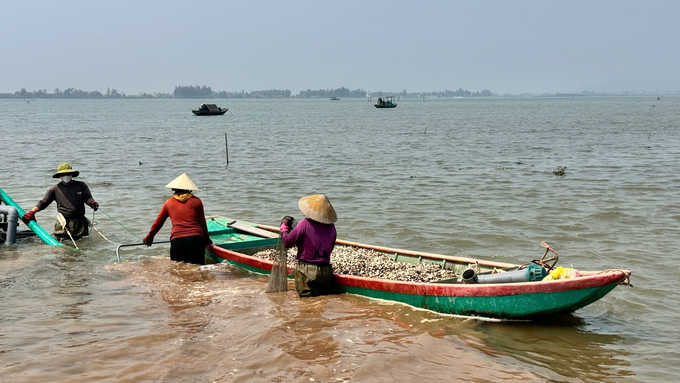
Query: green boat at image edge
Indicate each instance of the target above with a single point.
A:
(236, 241)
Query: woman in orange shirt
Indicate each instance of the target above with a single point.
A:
(189, 234)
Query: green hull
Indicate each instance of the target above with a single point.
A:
(501, 300)
(509, 306)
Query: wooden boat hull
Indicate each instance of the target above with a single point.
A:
(385, 106)
(504, 301)
(215, 113)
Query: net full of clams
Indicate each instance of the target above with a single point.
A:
(370, 263)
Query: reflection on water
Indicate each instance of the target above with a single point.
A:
(70, 286)
(311, 342)
(561, 349)
(184, 287)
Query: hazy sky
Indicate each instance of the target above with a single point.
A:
(504, 46)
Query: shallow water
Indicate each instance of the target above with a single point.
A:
(460, 177)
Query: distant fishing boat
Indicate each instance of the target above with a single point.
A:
(335, 98)
(209, 110)
(236, 242)
(386, 102)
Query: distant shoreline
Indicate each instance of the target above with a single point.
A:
(524, 96)
(205, 92)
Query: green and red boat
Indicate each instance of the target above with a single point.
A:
(236, 244)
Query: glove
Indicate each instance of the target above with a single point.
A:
(147, 241)
(94, 205)
(30, 216)
(287, 223)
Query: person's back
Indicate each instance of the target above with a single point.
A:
(185, 216)
(315, 238)
(189, 234)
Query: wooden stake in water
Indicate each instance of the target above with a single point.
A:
(278, 279)
(226, 145)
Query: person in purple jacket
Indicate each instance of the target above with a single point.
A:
(315, 238)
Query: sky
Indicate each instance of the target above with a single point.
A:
(504, 46)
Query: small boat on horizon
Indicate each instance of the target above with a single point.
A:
(386, 102)
(335, 98)
(209, 110)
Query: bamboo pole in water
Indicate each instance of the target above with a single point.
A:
(226, 145)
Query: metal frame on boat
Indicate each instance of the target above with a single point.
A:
(497, 300)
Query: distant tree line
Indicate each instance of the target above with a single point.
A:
(193, 92)
(450, 93)
(327, 93)
(205, 92)
(71, 93)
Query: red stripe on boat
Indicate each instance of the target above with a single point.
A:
(441, 289)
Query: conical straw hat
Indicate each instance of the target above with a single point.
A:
(318, 208)
(182, 182)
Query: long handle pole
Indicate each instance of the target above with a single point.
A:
(72, 240)
(62, 222)
(133, 244)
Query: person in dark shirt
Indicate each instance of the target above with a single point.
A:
(71, 197)
(189, 235)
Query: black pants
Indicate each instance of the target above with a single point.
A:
(188, 249)
(314, 279)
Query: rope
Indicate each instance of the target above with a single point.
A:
(216, 222)
(625, 281)
(100, 233)
(114, 220)
(93, 222)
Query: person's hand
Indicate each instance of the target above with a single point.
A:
(30, 216)
(94, 205)
(287, 222)
(147, 241)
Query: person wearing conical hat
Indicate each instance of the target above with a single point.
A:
(71, 197)
(315, 239)
(189, 234)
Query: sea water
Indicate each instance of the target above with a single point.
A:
(463, 177)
